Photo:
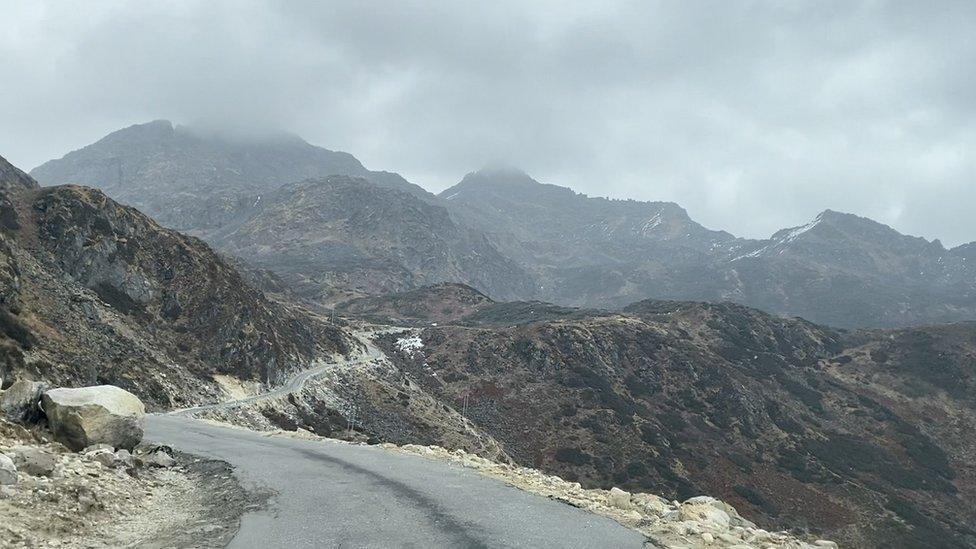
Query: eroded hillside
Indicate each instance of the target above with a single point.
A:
(95, 292)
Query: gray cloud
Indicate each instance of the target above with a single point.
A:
(752, 115)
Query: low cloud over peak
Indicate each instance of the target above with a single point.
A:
(752, 116)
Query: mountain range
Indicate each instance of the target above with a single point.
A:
(860, 436)
(271, 202)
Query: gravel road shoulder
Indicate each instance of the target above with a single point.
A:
(77, 501)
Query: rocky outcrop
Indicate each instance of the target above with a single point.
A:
(20, 401)
(95, 415)
(60, 498)
(839, 269)
(195, 180)
(508, 235)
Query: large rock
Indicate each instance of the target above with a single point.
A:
(19, 402)
(8, 471)
(706, 510)
(33, 461)
(620, 499)
(104, 414)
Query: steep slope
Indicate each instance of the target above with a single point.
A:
(195, 180)
(861, 437)
(839, 269)
(96, 292)
(343, 237)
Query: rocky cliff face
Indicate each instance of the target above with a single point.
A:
(95, 292)
(847, 435)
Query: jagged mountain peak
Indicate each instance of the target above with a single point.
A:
(841, 227)
(509, 185)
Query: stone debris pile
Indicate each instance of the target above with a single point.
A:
(699, 522)
(74, 470)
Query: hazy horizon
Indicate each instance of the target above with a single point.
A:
(752, 117)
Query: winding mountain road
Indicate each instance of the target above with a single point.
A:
(333, 494)
(292, 385)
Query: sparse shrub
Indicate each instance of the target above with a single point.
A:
(573, 456)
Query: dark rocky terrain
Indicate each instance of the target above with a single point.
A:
(444, 302)
(860, 437)
(95, 292)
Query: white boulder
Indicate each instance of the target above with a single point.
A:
(620, 499)
(103, 414)
(703, 509)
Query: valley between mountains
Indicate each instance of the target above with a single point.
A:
(816, 385)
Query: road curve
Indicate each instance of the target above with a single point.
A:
(293, 384)
(330, 494)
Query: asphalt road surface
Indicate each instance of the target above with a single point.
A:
(330, 494)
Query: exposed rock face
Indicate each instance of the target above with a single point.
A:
(20, 401)
(95, 415)
(508, 235)
(135, 305)
(344, 233)
(69, 499)
(796, 425)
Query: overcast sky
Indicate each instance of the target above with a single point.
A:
(752, 115)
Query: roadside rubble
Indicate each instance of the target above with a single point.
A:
(699, 522)
(119, 493)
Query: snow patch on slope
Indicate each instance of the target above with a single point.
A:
(780, 242)
(410, 345)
